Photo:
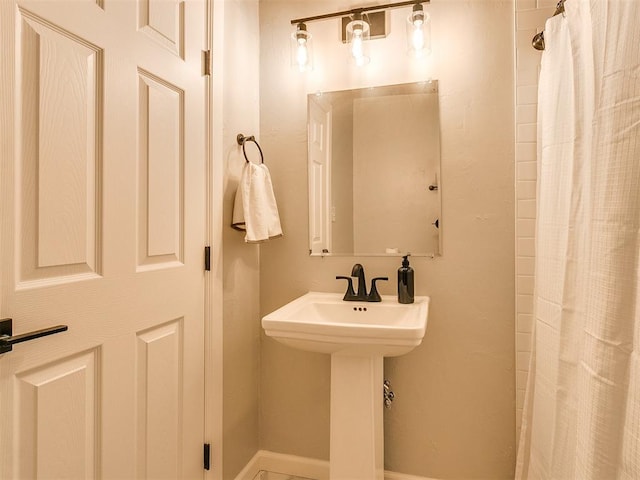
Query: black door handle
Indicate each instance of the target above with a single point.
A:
(7, 339)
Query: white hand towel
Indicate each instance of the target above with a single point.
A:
(255, 208)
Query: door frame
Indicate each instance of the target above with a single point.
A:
(213, 354)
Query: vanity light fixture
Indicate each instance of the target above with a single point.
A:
(358, 26)
(357, 34)
(301, 48)
(419, 32)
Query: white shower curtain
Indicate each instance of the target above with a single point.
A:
(582, 411)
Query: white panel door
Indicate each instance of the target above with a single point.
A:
(319, 167)
(102, 129)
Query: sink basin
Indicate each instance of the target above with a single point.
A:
(323, 322)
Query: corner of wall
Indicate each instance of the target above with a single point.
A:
(529, 20)
(236, 110)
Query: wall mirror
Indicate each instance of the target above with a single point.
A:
(374, 171)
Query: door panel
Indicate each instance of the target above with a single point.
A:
(163, 21)
(57, 406)
(161, 172)
(159, 391)
(102, 204)
(59, 92)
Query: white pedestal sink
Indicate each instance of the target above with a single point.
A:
(357, 335)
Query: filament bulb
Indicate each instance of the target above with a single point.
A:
(301, 49)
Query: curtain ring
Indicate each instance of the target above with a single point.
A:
(242, 140)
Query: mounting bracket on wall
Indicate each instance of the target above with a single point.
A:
(377, 25)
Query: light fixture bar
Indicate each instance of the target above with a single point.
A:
(357, 10)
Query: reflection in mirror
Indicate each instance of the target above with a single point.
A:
(374, 171)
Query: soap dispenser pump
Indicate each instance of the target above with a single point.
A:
(405, 281)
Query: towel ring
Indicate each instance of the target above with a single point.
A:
(242, 140)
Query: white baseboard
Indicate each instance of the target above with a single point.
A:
(265, 460)
(251, 469)
(403, 476)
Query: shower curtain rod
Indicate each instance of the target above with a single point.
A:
(538, 39)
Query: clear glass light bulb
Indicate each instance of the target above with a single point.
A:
(357, 47)
(418, 33)
(418, 39)
(301, 49)
(357, 35)
(302, 55)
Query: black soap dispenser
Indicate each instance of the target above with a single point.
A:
(405, 281)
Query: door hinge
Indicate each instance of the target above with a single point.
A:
(207, 259)
(207, 456)
(206, 59)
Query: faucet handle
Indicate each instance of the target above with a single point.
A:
(350, 295)
(374, 296)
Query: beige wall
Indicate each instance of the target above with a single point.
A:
(454, 412)
(236, 110)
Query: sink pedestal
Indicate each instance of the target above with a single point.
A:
(356, 432)
(357, 335)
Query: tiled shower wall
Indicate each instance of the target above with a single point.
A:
(530, 18)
